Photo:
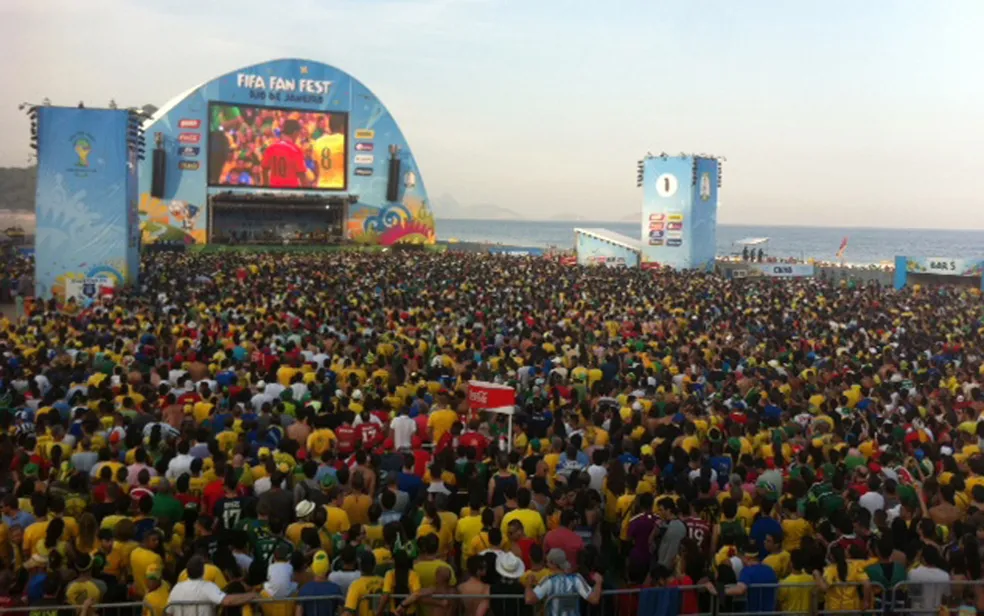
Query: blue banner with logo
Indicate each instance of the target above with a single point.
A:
(679, 211)
(84, 193)
(703, 229)
(667, 196)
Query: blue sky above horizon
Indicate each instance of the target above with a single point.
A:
(838, 113)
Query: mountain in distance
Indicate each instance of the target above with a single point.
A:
(446, 206)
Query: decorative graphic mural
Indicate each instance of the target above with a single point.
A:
(84, 241)
(252, 106)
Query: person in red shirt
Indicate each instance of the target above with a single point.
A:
(448, 439)
(347, 437)
(519, 543)
(421, 458)
(369, 432)
(473, 438)
(564, 537)
(183, 493)
(283, 162)
(214, 491)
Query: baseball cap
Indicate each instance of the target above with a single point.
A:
(558, 558)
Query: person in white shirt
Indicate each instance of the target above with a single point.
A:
(181, 463)
(175, 376)
(597, 471)
(205, 595)
(273, 390)
(260, 398)
(873, 500)
(402, 429)
(280, 575)
(299, 390)
(929, 582)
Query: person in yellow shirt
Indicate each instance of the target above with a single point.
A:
(840, 582)
(143, 559)
(36, 531)
(469, 526)
(329, 156)
(369, 584)
(440, 421)
(304, 511)
(794, 527)
(356, 505)
(778, 559)
(319, 441)
(428, 562)
(338, 520)
(401, 580)
(158, 592)
(83, 589)
(531, 519)
(795, 591)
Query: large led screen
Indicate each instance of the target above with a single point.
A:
(268, 147)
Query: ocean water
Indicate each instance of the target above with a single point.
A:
(864, 245)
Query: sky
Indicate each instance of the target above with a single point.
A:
(835, 113)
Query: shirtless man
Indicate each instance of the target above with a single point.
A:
(442, 587)
(473, 588)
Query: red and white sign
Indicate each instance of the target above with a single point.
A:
(485, 395)
(189, 123)
(189, 137)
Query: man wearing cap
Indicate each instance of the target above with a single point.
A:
(319, 587)
(158, 592)
(203, 595)
(558, 590)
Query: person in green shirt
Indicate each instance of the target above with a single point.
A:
(165, 505)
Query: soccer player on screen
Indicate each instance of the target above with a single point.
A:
(329, 154)
(283, 162)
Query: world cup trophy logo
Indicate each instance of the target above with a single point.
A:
(82, 150)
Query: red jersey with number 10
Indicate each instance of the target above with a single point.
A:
(285, 162)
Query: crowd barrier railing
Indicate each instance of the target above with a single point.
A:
(783, 599)
(905, 597)
(935, 598)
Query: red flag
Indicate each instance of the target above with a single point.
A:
(843, 247)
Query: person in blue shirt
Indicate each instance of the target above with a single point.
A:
(320, 587)
(765, 525)
(756, 582)
(407, 481)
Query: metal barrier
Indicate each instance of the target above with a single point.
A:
(620, 602)
(800, 598)
(929, 597)
(760, 599)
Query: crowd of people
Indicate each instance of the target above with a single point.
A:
(248, 432)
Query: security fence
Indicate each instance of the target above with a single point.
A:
(917, 598)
